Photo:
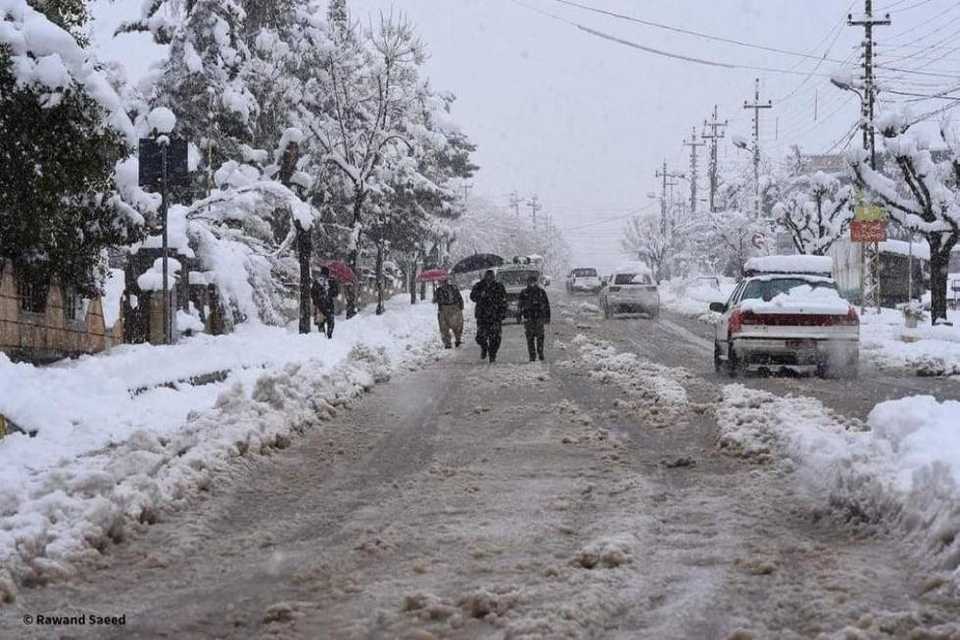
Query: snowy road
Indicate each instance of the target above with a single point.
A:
(514, 501)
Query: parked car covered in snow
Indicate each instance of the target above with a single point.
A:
(583, 279)
(787, 314)
(631, 289)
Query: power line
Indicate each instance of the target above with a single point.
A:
(661, 52)
(689, 32)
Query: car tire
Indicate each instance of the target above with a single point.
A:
(733, 363)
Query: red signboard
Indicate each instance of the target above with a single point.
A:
(868, 231)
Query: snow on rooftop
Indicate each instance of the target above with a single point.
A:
(822, 265)
(921, 250)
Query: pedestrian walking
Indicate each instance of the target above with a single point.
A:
(449, 312)
(491, 308)
(535, 313)
(324, 292)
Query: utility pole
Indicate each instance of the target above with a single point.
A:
(467, 188)
(869, 91)
(870, 263)
(535, 206)
(668, 181)
(694, 145)
(716, 134)
(757, 106)
(515, 203)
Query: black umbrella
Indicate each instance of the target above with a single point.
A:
(476, 262)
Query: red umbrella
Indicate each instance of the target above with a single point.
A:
(432, 275)
(340, 270)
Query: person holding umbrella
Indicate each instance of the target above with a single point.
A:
(324, 292)
(449, 311)
(491, 299)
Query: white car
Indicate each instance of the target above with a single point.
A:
(630, 290)
(584, 279)
(787, 321)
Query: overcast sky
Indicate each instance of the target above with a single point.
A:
(584, 122)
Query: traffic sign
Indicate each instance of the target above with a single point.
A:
(868, 230)
(151, 163)
(869, 213)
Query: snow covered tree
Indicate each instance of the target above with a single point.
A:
(815, 211)
(659, 243)
(70, 15)
(63, 132)
(203, 84)
(924, 197)
(358, 109)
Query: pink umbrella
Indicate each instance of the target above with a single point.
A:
(340, 271)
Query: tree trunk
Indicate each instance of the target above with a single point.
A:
(412, 283)
(379, 276)
(354, 256)
(304, 251)
(939, 268)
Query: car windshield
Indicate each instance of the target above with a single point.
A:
(584, 273)
(770, 289)
(516, 277)
(633, 278)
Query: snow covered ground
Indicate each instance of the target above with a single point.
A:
(123, 434)
(692, 297)
(926, 350)
(898, 472)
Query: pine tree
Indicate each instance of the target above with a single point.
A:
(57, 162)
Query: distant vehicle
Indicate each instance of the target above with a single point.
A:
(583, 279)
(514, 278)
(787, 314)
(631, 289)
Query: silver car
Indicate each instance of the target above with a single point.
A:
(630, 291)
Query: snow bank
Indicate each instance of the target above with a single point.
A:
(692, 297)
(632, 373)
(899, 472)
(925, 350)
(822, 265)
(113, 448)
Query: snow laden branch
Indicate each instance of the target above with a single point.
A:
(921, 193)
(816, 212)
(661, 243)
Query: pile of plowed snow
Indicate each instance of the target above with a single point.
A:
(899, 472)
(631, 372)
(107, 457)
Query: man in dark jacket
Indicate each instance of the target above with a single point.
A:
(324, 292)
(449, 312)
(535, 312)
(491, 299)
